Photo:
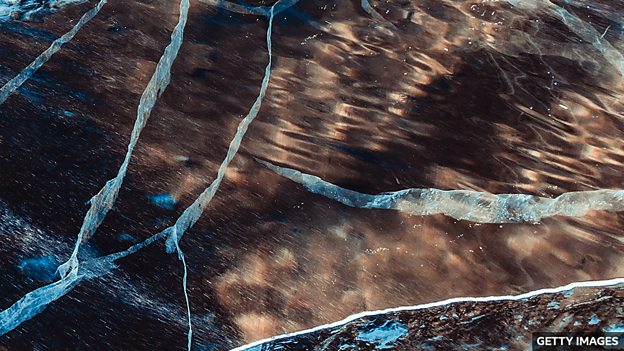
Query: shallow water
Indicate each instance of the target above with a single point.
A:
(499, 97)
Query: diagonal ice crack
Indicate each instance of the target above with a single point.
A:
(35, 301)
(12, 85)
(466, 205)
(104, 200)
(456, 300)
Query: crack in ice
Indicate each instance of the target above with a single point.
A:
(466, 205)
(353, 317)
(104, 200)
(12, 85)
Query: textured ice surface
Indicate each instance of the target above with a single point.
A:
(390, 330)
(104, 200)
(34, 302)
(190, 216)
(477, 206)
(165, 201)
(594, 320)
(615, 328)
(26, 9)
(39, 268)
(464, 204)
(580, 27)
(383, 336)
(101, 203)
(37, 300)
(246, 9)
(73, 273)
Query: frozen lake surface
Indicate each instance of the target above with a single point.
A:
(207, 174)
